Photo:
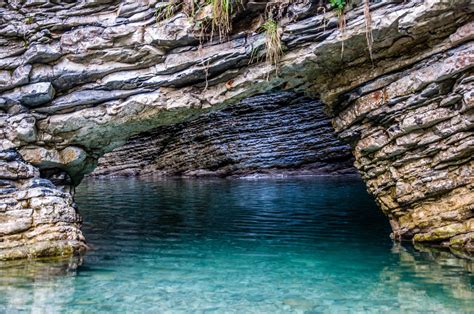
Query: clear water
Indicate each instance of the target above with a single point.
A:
(237, 246)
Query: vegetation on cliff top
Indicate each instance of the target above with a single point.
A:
(215, 18)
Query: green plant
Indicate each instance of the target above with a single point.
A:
(221, 17)
(273, 46)
(29, 20)
(167, 11)
(339, 5)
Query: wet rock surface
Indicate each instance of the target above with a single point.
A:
(80, 78)
(274, 134)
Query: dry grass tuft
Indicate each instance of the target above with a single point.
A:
(168, 10)
(273, 44)
(221, 17)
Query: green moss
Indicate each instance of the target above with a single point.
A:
(30, 20)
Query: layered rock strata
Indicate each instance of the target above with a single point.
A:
(413, 143)
(37, 218)
(274, 134)
(79, 78)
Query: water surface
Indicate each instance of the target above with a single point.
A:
(314, 245)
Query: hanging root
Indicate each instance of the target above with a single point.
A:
(368, 28)
(221, 17)
(342, 28)
(323, 21)
(339, 5)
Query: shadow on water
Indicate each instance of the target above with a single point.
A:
(281, 245)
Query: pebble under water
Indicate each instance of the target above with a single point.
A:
(307, 245)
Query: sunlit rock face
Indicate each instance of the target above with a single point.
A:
(413, 143)
(79, 78)
(37, 218)
(274, 134)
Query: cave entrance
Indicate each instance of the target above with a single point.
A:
(282, 139)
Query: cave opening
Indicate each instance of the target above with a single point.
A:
(269, 169)
(272, 134)
(266, 143)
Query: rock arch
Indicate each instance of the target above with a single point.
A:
(79, 78)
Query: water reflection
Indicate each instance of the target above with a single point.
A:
(314, 245)
(440, 268)
(27, 285)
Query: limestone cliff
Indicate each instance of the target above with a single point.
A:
(79, 78)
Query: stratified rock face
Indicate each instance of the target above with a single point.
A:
(36, 218)
(282, 133)
(413, 143)
(79, 78)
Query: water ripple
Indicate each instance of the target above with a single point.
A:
(237, 246)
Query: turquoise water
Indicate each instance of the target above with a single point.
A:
(316, 245)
